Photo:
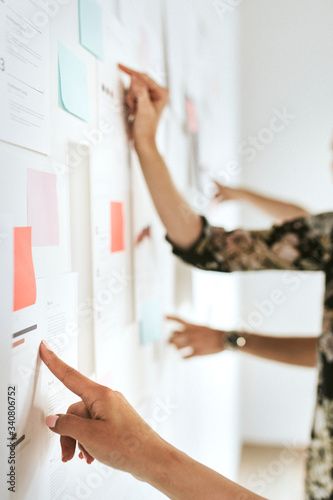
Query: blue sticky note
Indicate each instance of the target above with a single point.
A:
(91, 27)
(150, 321)
(72, 85)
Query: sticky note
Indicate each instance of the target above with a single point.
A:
(91, 27)
(117, 227)
(150, 321)
(43, 208)
(24, 273)
(192, 116)
(72, 84)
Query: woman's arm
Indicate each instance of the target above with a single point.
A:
(300, 351)
(201, 341)
(145, 102)
(182, 224)
(295, 245)
(105, 427)
(279, 210)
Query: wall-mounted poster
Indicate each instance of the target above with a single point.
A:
(111, 249)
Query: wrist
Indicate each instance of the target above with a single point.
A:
(161, 462)
(240, 194)
(168, 472)
(221, 339)
(145, 145)
(236, 341)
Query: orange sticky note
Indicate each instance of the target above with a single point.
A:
(117, 227)
(24, 273)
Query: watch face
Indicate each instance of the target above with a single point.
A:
(236, 341)
(241, 342)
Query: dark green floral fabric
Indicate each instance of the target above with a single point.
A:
(304, 244)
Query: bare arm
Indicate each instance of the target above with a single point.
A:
(107, 428)
(145, 103)
(193, 239)
(300, 351)
(202, 340)
(278, 209)
(182, 224)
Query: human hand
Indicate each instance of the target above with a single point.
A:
(225, 193)
(103, 424)
(145, 101)
(200, 339)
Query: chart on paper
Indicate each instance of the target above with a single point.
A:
(24, 76)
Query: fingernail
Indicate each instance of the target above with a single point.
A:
(51, 421)
(46, 345)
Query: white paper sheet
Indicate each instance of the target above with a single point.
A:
(6, 293)
(112, 272)
(24, 75)
(146, 282)
(60, 309)
(38, 392)
(14, 200)
(110, 104)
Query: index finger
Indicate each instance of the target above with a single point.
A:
(170, 317)
(142, 76)
(74, 381)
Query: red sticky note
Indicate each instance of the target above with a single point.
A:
(117, 227)
(25, 293)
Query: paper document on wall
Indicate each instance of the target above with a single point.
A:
(112, 271)
(40, 471)
(24, 76)
(6, 304)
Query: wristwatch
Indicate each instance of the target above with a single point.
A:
(235, 341)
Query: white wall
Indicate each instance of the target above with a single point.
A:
(286, 64)
(194, 405)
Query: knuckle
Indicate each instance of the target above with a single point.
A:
(117, 394)
(104, 391)
(68, 374)
(72, 407)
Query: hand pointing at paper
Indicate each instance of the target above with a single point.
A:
(107, 428)
(145, 101)
(104, 424)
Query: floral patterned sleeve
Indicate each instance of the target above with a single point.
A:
(300, 244)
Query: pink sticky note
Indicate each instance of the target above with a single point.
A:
(43, 208)
(117, 227)
(24, 273)
(192, 116)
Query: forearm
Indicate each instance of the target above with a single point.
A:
(181, 478)
(300, 351)
(280, 210)
(182, 224)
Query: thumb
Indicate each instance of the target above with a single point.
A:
(69, 425)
